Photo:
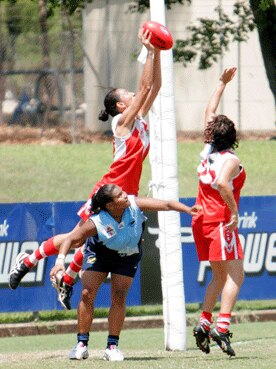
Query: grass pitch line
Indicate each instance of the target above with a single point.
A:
(247, 342)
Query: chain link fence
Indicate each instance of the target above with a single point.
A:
(41, 67)
(41, 71)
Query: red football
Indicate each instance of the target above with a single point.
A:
(161, 36)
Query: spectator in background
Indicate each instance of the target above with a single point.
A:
(113, 244)
(221, 178)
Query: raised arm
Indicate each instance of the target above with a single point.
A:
(150, 204)
(145, 85)
(75, 239)
(156, 84)
(212, 106)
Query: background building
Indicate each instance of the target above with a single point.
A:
(110, 39)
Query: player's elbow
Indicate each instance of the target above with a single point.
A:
(222, 185)
(146, 88)
(75, 242)
(170, 205)
(157, 85)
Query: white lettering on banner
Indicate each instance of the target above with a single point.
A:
(270, 260)
(255, 247)
(259, 248)
(8, 254)
(154, 231)
(4, 229)
(259, 253)
(203, 266)
(186, 235)
(248, 221)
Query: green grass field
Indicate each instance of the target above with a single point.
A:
(31, 173)
(254, 343)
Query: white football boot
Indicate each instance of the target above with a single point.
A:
(79, 352)
(113, 354)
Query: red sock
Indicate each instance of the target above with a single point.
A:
(74, 267)
(46, 249)
(223, 322)
(206, 319)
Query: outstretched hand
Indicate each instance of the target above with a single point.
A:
(233, 223)
(195, 209)
(56, 269)
(145, 37)
(228, 74)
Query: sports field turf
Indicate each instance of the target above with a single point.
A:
(31, 173)
(254, 343)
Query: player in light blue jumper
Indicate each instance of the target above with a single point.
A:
(112, 237)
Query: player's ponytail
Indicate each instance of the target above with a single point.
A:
(103, 115)
(110, 103)
(102, 197)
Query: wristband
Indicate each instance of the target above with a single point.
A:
(60, 259)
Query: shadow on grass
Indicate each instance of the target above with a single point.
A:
(144, 358)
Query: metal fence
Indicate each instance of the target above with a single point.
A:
(41, 72)
(41, 67)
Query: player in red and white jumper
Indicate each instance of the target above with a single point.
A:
(221, 178)
(130, 148)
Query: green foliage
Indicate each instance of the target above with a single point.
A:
(22, 17)
(137, 6)
(13, 19)
(70, 5)
(131, 311)
(23, 46)
(141, 6)
(210, 38)
(57, 315)
(19, 15)
(265, 4)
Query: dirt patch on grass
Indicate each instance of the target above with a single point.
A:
(54, 135)
(15, 134)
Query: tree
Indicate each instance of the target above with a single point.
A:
(210, 38)
(265, 18)
(2, 61)
(44, 42)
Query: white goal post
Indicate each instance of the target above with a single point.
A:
(163, 160)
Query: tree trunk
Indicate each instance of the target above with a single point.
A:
(44, 33)
(47, 94)
(266, 25)
(2, 77)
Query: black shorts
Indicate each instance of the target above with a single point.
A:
(101, 259)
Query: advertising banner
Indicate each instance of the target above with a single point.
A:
(23, 227)
(257, 232)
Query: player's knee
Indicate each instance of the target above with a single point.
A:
(219, 279)
(119, 297)
(239, 277)
(87, 296)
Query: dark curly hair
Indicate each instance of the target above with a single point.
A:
(110, 101)
(102, 197)
(221, 133)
